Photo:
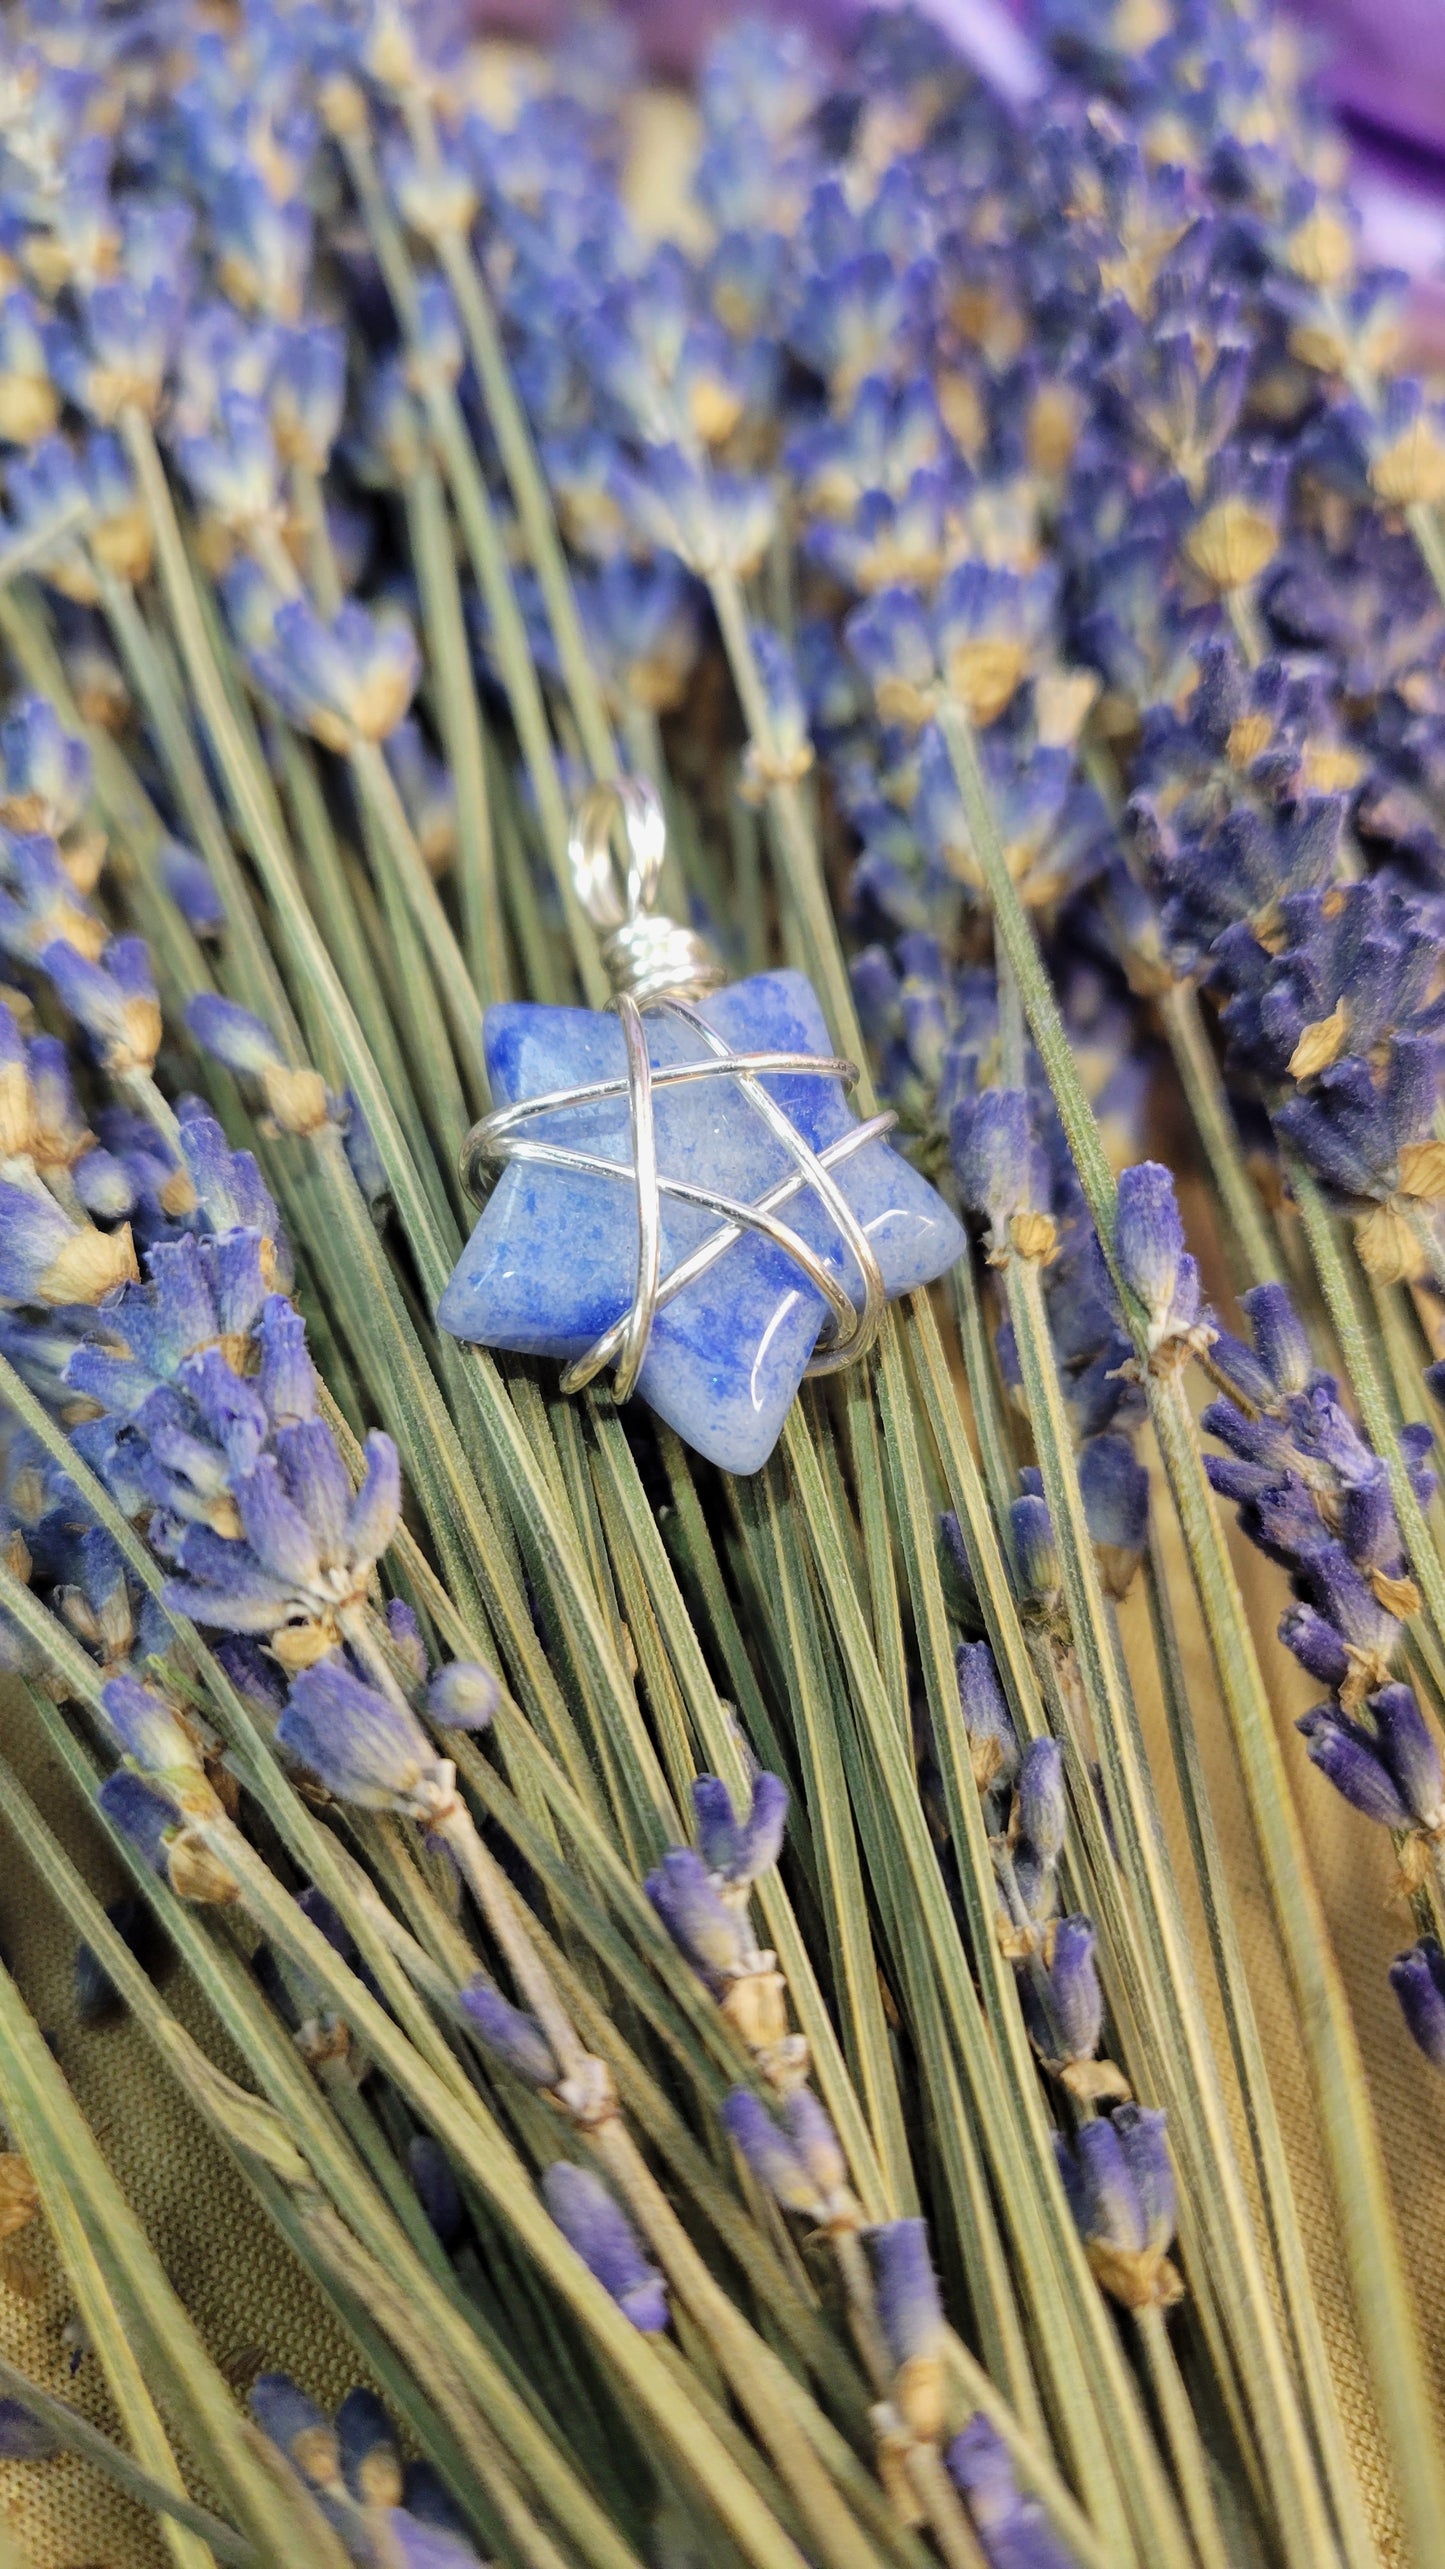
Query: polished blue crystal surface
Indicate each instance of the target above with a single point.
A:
(552, 1263)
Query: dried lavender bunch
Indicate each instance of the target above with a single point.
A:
(384, 484)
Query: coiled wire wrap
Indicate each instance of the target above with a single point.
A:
(657, 967)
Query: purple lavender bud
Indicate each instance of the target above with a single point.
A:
(760, 1838)
(1040, 1800)
(702, 1927)
(297, 2427)
(364, 1748)
(957, 1549)
(1038, 1556)
(1074, 1994)
(1279, 1338)
(992, 1148)
(287, 1378)
(1315, 1644)
(1410, 1751)
(1112, 2211)
(462, 1696)
(370, 2462)
(1014, 2530)
(416, 2544)
(1245, 1374)
(231, 1035)
(436, 2187)
(1418, 1981)
(598, 2228)
(1115, 1490)
(327, 1921)
(1417, 1445)
(908, 2303)
(717, 1827)
(811, 2131)
(150, 1734)
(1149, 1242)
(275, 1528)
(406, 1640)
(517, 2039)
(770, 2153)
(141, 1814)
(992, 1740)
(255, 1677)
(1368, 1529)
(376, 1508)
(1347, 1753)
(1143, 2137)
(33, 1233)
(428, 2500)
(47, 770)
(188, 880)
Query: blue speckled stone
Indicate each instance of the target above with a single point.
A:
(553, 1260)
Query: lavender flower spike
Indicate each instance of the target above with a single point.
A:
(594, 2222)
(739, 1850)
(992, 1741)
(800, 2161)
(365, 1748)
(1149, 1245)
(912, 2319)
(1120, 2183)
(700, 1924)
(1013, 2530)
(1391, 1771)
(514, 2037)
(1418, 1981)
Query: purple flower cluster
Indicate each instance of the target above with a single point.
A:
(1316, 1498)
(376, 2504)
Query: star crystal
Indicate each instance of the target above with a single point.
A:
(552, 1267)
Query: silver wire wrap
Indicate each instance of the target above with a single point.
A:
(658, 968)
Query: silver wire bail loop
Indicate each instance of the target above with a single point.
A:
(646, 955)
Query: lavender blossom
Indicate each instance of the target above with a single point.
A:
(595, 2224)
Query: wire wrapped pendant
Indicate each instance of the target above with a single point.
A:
(675, 1187)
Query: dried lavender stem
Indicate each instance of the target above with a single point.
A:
(1244, 1231)
(1186, 2450)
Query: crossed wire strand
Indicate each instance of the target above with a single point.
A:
(500, 1138)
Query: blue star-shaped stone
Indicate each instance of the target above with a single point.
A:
(552, 1263)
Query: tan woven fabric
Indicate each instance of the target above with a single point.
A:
(254, 2304)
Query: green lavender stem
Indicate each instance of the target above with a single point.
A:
(460, 723)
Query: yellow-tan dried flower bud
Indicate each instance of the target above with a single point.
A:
(125, 544)
(197, 1873)
(985, 674)
(1411, 472)
(1232, 543)
(919, 2396)
(1322, 249)
(295, 1099)
(1387, 1247)
(91, 1264)
(1321, 1043)
(29, 408)
(1422, 1171)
